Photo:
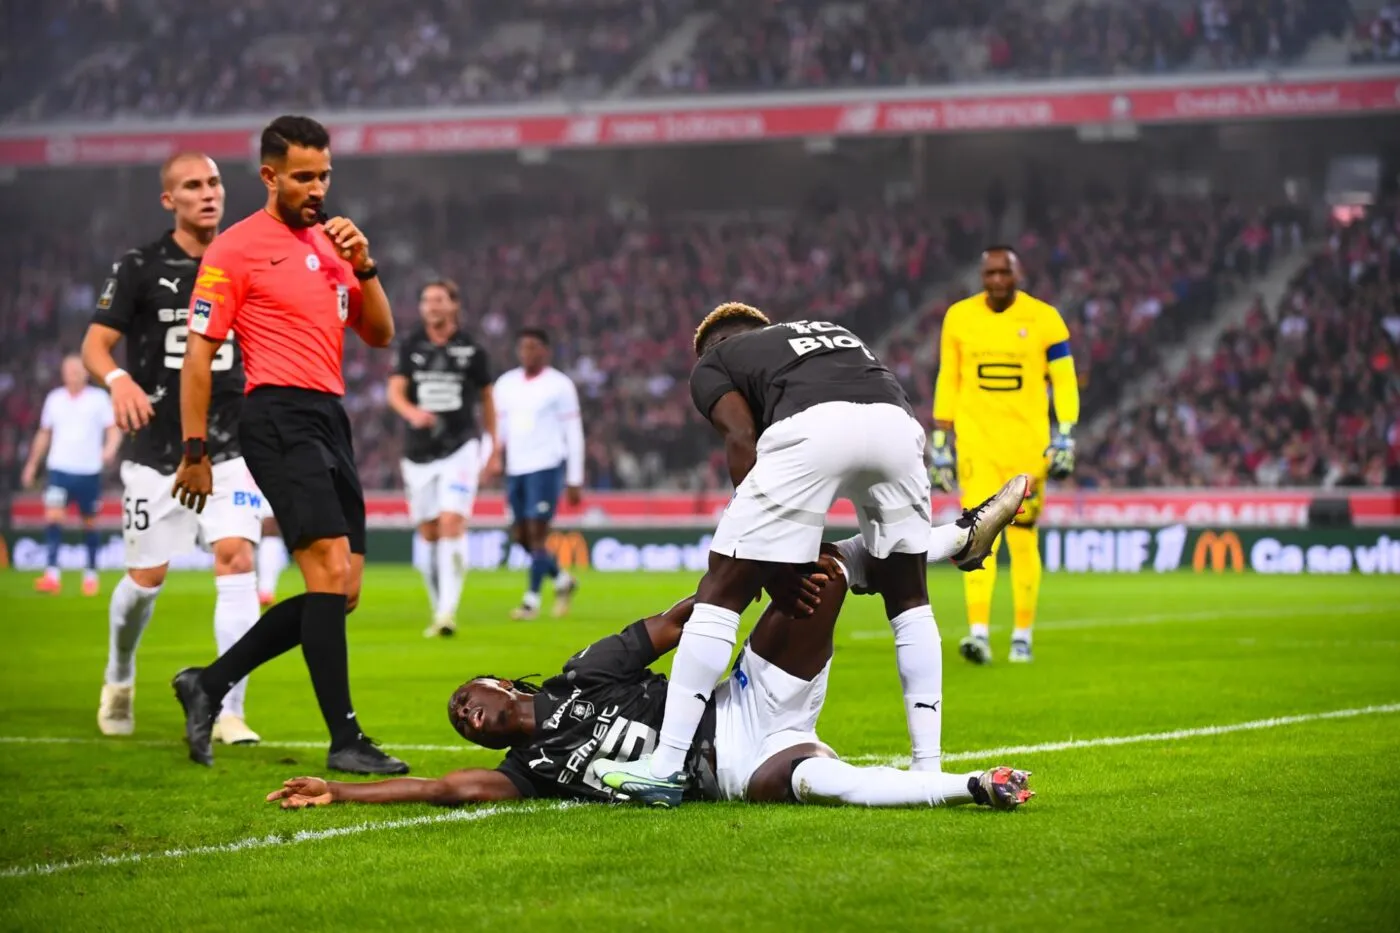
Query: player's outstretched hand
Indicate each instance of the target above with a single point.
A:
(942, 462)
(302, 792)
(194, 483)
(350, 243)
(794, 592)
(131, 407)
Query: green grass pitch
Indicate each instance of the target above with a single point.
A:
(1290, 825)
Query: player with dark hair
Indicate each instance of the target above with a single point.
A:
(756, 741)
(540, 448)
(146, 300)
(289, 282)
(440, 375)
(999, 352)
(808, 414)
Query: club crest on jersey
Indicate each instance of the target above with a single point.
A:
(342, 297)
(109, 291)
(313, 262)
(581, 710)
(199, 315)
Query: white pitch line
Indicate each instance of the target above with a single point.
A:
(278, 839)
(1060, 625)
(270, 841)
(1176, 734)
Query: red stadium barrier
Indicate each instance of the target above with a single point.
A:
(736, 118)
(1150, 508)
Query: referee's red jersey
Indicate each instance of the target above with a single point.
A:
(287, 294)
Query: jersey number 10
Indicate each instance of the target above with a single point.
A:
(177, 338)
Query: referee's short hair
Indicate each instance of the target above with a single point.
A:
(289, 130)
(536, 332)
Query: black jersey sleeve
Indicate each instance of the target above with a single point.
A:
(116, 302)
(479, 370)
(403, 361)
(617, 658)
(517, 768)
(709, 382)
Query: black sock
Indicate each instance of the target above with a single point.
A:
(323, 646)
(276, 633)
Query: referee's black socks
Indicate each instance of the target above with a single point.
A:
(276, 633)
(323, 645)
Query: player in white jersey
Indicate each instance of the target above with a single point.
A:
(145, 302)
(80, 437)
(541, 451)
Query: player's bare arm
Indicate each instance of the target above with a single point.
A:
(397, 394)
(471, 785)
(494, 464)
(194, 480)
(111, 445)
(37, 450)
(376, 322)
(734, 421)
(130, 404)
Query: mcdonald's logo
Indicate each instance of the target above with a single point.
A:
(568, 547)
(1220, 549)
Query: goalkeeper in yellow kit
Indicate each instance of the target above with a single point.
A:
(991, 419)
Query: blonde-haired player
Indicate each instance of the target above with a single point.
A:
(1000, 348)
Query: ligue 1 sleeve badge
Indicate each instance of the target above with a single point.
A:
(342, 296)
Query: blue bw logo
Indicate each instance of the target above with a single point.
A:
(247, 498)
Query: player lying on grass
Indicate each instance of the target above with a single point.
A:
(756, 741)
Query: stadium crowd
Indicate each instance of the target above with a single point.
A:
(95, 59)
(621, 294)
(1303, 394)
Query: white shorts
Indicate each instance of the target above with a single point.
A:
(759, 711)
(446, 485)
(870, 454)
(156, 527)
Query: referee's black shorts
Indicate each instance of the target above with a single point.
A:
(297, 445)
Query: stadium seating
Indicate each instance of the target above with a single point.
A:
(95, 59)
(1303, 394)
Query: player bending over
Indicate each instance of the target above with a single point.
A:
(808, 415)
(756, 741)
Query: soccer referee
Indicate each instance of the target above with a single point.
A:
(289, 282)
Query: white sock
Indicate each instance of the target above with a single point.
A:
(235, 611)
(980, 630)
(451, 574)
(425, 562)
(943, 542)
(1021, 634)
(530, 600)
(946, 540)
(127, 614)
(272, 560)
(919, 653)
(707, 641)
(562, 579)
(830, 780)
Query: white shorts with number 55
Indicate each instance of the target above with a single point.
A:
(157, 528)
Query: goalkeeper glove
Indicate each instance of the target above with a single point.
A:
(942, 465)
(1060, 453)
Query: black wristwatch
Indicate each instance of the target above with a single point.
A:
(196, 449)
(366, 274)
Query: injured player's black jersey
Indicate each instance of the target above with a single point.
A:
(606, 704)
(446, 381)
(787, 368)
(147, 299)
